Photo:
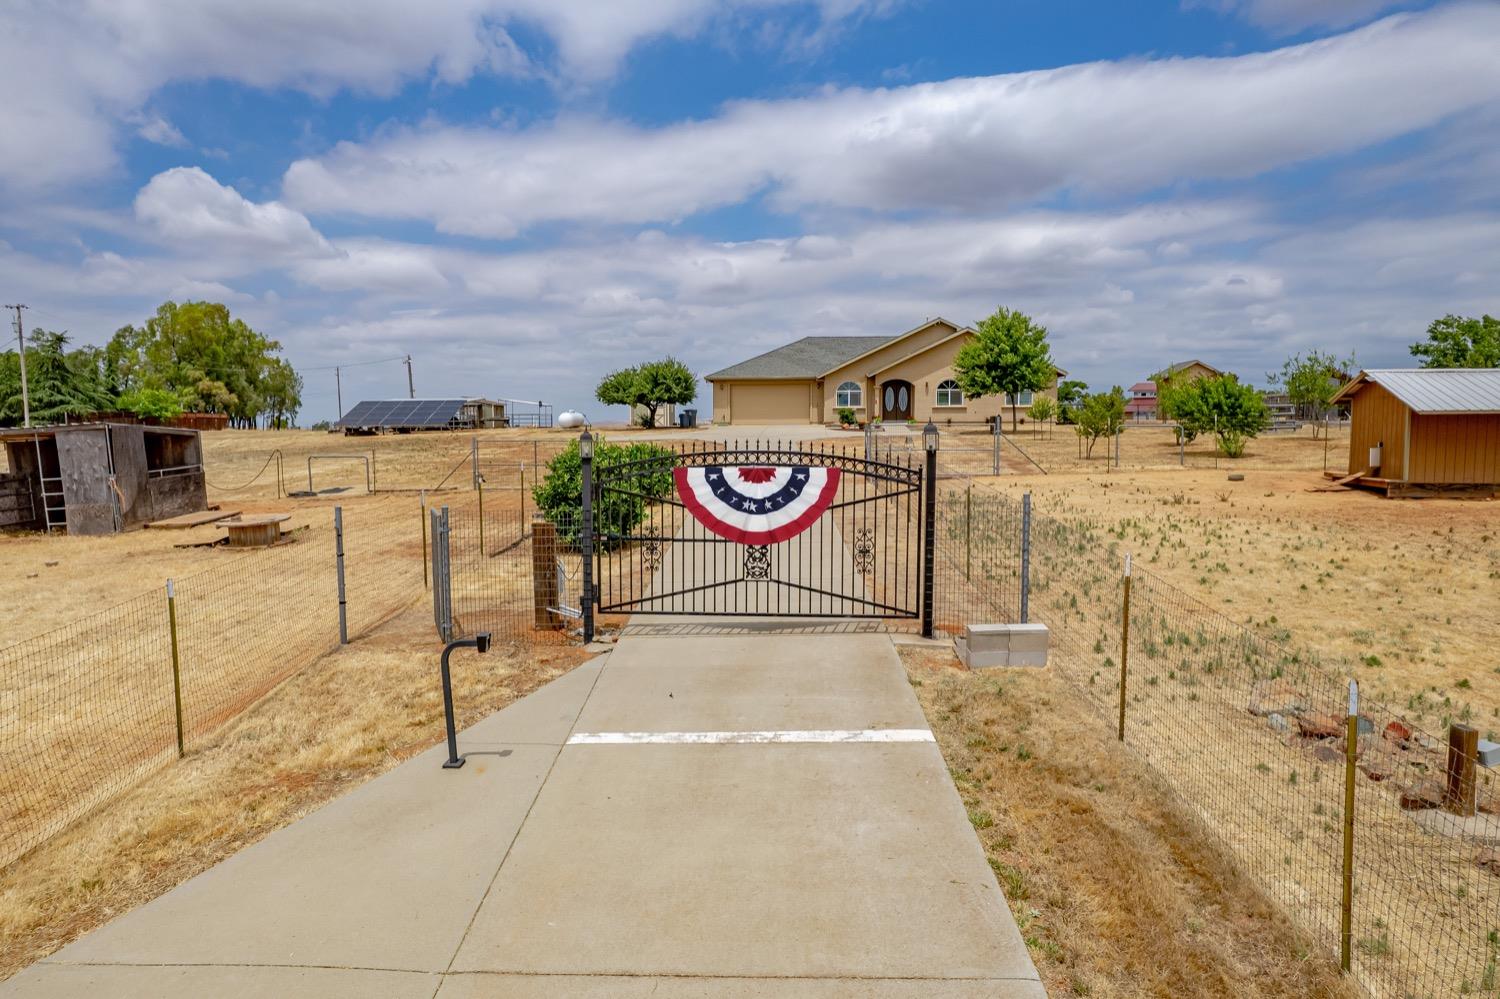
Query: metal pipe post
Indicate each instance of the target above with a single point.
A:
(176, 663)
(969, 532)
(482, 643)
(474, 459)
(1124, 647)
(338, 549)
(995, 447)
(482, 551)
(929, 536)
(1025, 558)
(1351, 755)
(587, 596)
(423, 501)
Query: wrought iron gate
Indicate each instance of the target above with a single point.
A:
(762, 531)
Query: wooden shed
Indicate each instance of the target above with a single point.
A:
(99, 478)
(1421, 431)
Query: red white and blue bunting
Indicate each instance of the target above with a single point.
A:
(757, 504)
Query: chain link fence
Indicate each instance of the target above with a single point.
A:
(89, 709)
(1250, 732)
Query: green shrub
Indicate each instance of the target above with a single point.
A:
(560, 493)
(846, 416)
(154, 403)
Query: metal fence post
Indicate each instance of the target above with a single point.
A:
(423, 501)
(1025, 558)
(442, 593)
(482, 549)
(1124, 646)
(1351, 756)
(869, 440)
(338, 550)
(586, 456)
(474, 460)
(176, 663)
(523, 499)
(969, 532)
(929, 525)
(995, 446)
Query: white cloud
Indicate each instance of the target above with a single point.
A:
(75, 70)
(186, 206)
(1290, 16)
(155, 128)
(964, 144)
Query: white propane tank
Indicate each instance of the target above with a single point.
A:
(570, 419)
(1375, 455)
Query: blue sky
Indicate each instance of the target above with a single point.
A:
(524, 194)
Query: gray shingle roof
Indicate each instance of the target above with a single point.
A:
(1438, 390)
(805, 358)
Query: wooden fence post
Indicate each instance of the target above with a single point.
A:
(543, 572)
(1463, 756)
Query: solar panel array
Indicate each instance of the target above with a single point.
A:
(406, 413)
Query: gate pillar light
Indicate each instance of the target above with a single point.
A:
(930, 436)
(586, 446)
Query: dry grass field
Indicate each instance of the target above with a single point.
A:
(1404, 595)
(1118, 890)
(349, 716)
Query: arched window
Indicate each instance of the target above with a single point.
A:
(849, 395)
(949, 394)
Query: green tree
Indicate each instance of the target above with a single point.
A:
(1311, 382)
(1070, 395)
(1041, 410)
(62, 384)
(650, 385)
(1101, 414)
(1460, 342)
(1007, 356)
(281, 395)
(1231, 411)
(196, 350)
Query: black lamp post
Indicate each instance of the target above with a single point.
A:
(586, 534)
(929, 524)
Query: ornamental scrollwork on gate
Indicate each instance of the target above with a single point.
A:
(651, 548)
(864, 551)
(757, 561)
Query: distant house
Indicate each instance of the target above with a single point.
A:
(1419, 430)
(1142, 402)
(908, 376)
(1187, 371)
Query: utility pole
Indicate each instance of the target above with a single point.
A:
(25, 393)
(411, 391)
(338, 386)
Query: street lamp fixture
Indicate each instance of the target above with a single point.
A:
(930, 437)
(586, 446)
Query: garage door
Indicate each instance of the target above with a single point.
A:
(786, 403)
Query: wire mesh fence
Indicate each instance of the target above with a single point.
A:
(1250, 733)
(89, 709)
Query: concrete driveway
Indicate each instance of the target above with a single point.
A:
(716, 807)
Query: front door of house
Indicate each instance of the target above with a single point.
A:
(895, 401)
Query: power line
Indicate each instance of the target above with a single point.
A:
(355, 364)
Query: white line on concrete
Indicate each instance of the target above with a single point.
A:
(725, 738)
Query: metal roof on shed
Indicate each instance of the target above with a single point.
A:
(1435, 391)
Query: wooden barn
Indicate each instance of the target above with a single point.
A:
(99, 478)
(1424, 431)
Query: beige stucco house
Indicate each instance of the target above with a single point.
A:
(908, 376)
